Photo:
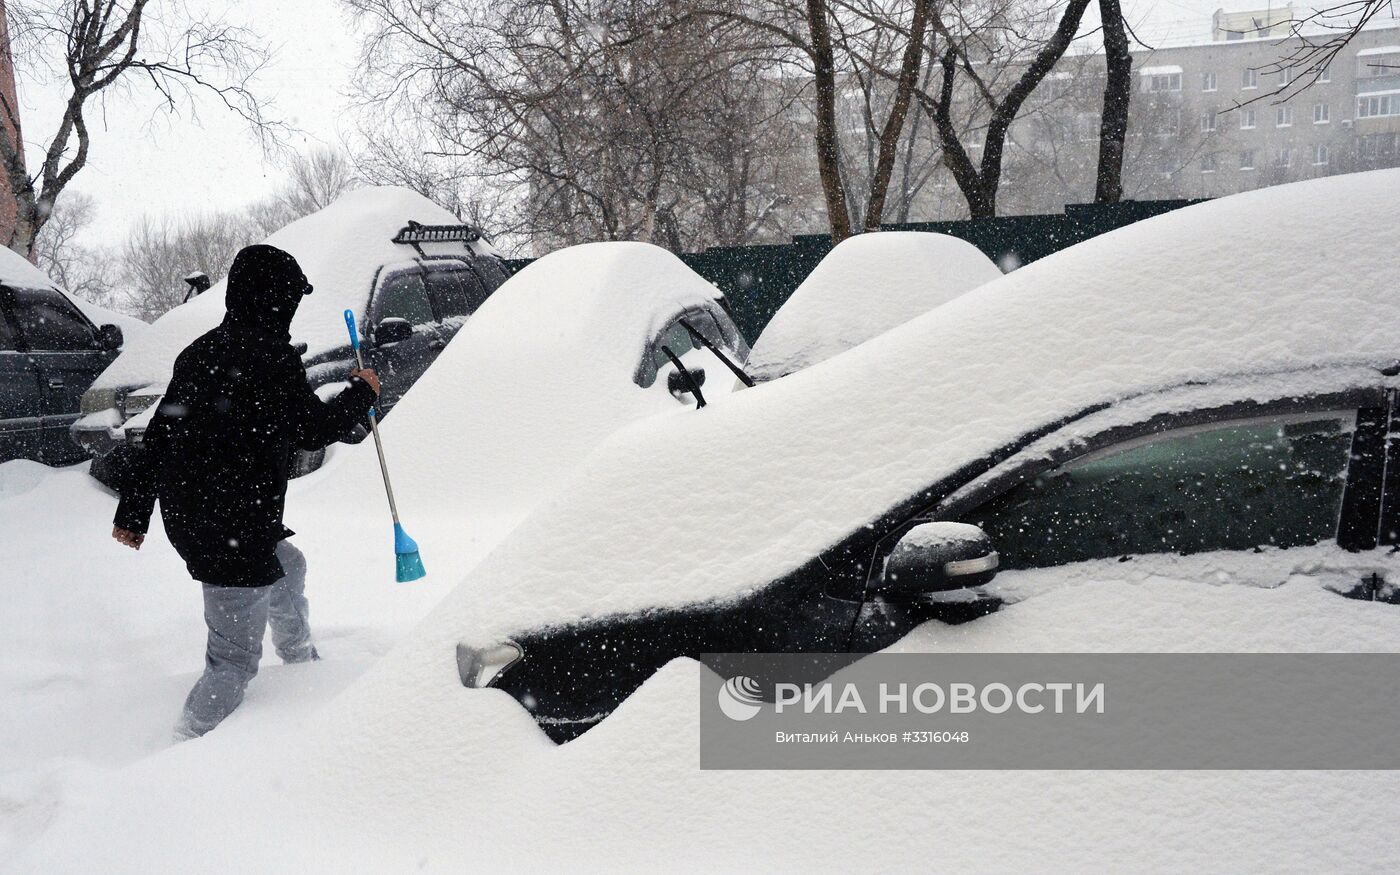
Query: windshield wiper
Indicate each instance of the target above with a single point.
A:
(705, 342)
(691, 386)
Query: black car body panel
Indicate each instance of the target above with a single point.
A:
(572, 676)
(50, 352)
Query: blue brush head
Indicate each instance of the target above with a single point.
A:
(408, 565)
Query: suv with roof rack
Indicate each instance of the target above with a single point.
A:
(408, 313)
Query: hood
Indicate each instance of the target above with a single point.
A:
(265, 285)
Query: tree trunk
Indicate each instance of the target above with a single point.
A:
(828, 155)
(894, 124)
(1117, 92)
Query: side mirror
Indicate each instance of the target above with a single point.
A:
(937, 557)
(677, 384)
(392, 330)
(109, 337)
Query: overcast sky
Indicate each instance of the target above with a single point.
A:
(145, 162)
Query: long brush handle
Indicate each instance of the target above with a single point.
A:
(373, 428)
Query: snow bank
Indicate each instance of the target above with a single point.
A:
(864, 287)
(535, 379)
(1296, 275)
(16, 270)
(434, 782)
(340, 248)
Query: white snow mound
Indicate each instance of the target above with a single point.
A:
(711, 506)
(865, 286)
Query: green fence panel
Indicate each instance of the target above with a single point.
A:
(756, 280)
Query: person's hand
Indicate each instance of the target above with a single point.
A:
(368, 375)
(130, 539)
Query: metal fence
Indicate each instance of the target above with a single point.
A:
(758, 279)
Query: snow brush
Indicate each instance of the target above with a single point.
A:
(408, 565)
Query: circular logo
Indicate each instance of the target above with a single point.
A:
(739, 699)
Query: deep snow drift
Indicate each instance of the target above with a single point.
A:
(865, 286)
(537, 377)
(800, 462)
(408, 771)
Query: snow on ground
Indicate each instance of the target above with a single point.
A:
(865, 286)
(382, 762)
(445, 782)
(340, 248)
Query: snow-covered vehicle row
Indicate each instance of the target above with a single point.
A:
(411, 272)
(1172, 387)
(52, 347)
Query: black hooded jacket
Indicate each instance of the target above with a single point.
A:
(218, 450)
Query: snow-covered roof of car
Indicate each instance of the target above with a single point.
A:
(714, 504)
(339, 247)
(538, 376)
(17, 271)
(865, 286)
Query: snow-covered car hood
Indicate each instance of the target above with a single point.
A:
(537, 377)
(865, 286)
(673, 511)
(15, 270)
(340, 248)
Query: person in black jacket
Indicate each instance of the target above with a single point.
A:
(217, 454)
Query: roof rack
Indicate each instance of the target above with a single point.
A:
(415, 234)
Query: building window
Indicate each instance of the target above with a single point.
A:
(1247, 159)
(1322, 113)
(1377, 105)
(1246, 119)
(1207, 81)
(1208, 163)
(1161, 82)
(1325, 75)
(1285, 76)
(1377, 145)
(1283, 117)
(1283, 157)
(1249, 78)
(1208, 122)
(1320, 155)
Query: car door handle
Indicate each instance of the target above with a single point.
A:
(55, 382)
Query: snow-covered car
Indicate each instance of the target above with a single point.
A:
(52, 347)
(865, 286)
(409, 269)
(576, 345)
(1221, 382)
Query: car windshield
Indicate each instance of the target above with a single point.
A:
(718, 330)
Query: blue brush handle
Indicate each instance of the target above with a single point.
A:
(355, 345)
(354, 332)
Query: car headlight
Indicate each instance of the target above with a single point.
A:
(136, 403)
(479, 667)
(96, 400)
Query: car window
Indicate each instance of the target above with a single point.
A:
(457, 292)
(7, 333)
(405, 297)
(677, 339)
(47, 321)
(1232, 486)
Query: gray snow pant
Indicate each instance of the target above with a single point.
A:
(237, 616)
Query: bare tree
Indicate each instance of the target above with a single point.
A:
(60, 253)
(106, 44)
(972, 50)
(160, 253)
(1117, 94)
(1321, 35)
